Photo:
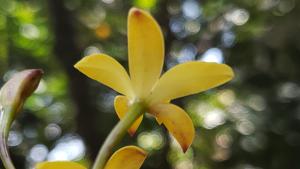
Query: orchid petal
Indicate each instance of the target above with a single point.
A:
(121, 106)
(190, 78)
(145, 51)
(107, 71)
(176, 121)
(129, 157)
(59, 165)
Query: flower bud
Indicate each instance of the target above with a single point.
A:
(15, 91)
(12, 97)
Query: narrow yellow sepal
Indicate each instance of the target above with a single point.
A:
(190, 78)
(176, 120)
(59, 165)
(129, 157)
(121, 107)
(107, 71)
(145, 51)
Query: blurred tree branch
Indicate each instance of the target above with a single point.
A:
(68, 53)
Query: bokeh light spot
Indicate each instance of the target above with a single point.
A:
(289, 90)
(213, 55)
(224, 140)
(30, 31)
(150, 140)
(238, 16)
(192, 27)
(92, 50)
(226, 97)
(245, 127)
(52, 131)
(38, 153)
(256, 102)
(15, 138)
(184, 164)
(228, 39)
(187, 53)
(213, 118)
(68, 148)
(191, 9)
(108, 1)
(103, 31)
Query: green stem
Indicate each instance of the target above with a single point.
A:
(118, 132)
(5, 121)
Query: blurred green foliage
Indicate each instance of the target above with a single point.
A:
(251, 123)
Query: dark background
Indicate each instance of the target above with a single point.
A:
(253, 122)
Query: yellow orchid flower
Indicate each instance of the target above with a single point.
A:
(145, 83)
(133, 156)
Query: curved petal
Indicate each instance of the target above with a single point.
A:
(107, 71)
(190, 78)
(59, 165)
(176, 121)
(145, 51)
(121, 107)
(129, 157)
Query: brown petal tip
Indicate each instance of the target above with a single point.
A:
(131, 133)
(135, 11)
(185, 148)
(36, 72)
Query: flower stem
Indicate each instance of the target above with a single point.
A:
(118, 132)
(5, 121)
